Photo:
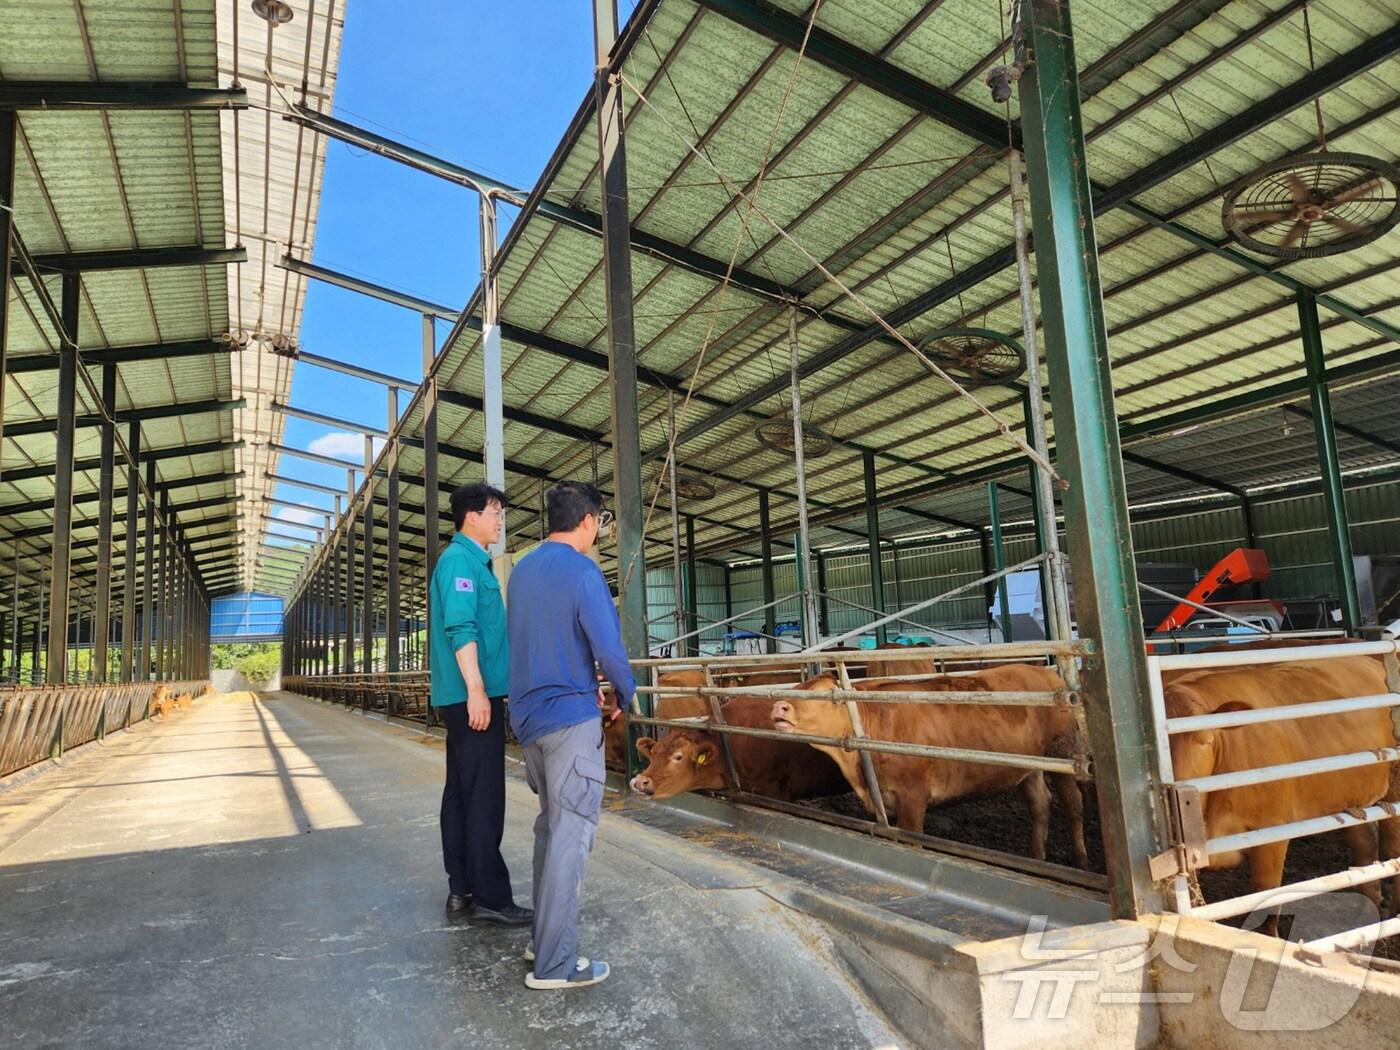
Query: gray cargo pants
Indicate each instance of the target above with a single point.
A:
(565, 768)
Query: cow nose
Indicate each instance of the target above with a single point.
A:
(641, 784)
(782, 709)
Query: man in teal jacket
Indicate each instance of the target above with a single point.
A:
(469, 660)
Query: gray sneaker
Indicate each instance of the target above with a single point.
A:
(585, 973)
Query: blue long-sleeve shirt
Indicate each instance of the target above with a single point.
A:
(561, 619)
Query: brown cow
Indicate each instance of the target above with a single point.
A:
(909, 784)
(693, 760)
(1214, 751)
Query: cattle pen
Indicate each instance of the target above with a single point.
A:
(994, 404)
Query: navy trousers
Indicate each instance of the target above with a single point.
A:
(473, 813)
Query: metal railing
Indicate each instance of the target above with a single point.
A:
(42, 722)
(837, 663)
(1192, 850)
(399, 694)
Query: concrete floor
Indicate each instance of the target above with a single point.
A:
(267, 873)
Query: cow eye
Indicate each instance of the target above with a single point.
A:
(677, 757)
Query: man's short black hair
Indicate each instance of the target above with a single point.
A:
(474, 497)
(569, 502)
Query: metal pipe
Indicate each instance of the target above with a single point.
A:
(1057, 607)
(1300, 828)
(765, 534)
(999, 560)
(948, 653)
(986, 698)
(1333, 493)
(493, 404)
(1254, 716)
(810, 631)
(1042, 763)
(872, 536)
(1192, 661)
(63, 483)
(676, 590)
(1291, 770)
(1297, 891)
(692, 599)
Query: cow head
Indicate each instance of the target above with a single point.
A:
(817, 717)
(682, 760)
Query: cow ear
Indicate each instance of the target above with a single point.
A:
(706, 752)
(644, 745)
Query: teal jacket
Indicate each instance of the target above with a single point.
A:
(466, 607)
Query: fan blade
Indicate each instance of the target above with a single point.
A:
(1355, 192)
(1263, 217)
(1301, 193)
(1296, 232)
(1353, 228)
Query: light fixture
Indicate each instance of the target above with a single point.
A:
(1288, 426)
(274, 11)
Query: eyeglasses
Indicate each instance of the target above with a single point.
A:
(498, 511)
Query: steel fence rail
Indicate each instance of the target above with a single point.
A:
(1188, 860)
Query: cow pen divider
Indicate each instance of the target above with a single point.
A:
(843, 692)
(43, 721)
(1191, 852)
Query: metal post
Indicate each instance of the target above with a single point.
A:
(148, 598)
(347, 663)
(8, 124)
(677, 595)
(692, 598)
(1333, 494)
(803, 564)
(368, 556)
(493, 402)
(393, 613)
(999, 559)
(823, 607)
(872, 535)
(15, 621)
(1056, 599)
(103, 612)
(62, 481)
(133, 489)
(622, 351)
(432, 536)
(765, 534)
(337, 606)
(1118, 708)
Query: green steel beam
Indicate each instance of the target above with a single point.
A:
(1334, 496)
(188, 408)
(134, 258)
(88, 95)
(828, 49)
(1349, 430)
(167, 452)
(1117, 706)
(119, 355)
(1180, 473)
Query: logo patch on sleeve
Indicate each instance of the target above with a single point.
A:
(465, 583)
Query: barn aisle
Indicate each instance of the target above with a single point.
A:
(266, 872)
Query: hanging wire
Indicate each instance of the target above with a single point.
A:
(1312, 66)
(1001, 427)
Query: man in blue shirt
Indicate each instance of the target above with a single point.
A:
(469, 664)
(562, 621)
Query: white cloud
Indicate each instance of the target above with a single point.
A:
(305, 517)
(343, 445)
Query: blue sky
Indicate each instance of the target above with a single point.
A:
(490, 85)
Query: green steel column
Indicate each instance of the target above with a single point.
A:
(59, 582)
(102, 621)
(1333, 494)
(148, 597)
(999, 559)
(692, 598)
(8, 124)
(765, 534)
(367, 633)
(872, 535)
(133, 511)
(1118, 710)
(622, 350)
(393, 613)
(823, 610)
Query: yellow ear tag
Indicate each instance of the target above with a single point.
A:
(700, 759)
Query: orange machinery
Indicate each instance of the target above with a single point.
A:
(1242, 565)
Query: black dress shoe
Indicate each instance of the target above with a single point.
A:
(510, 915)
(457, 903)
